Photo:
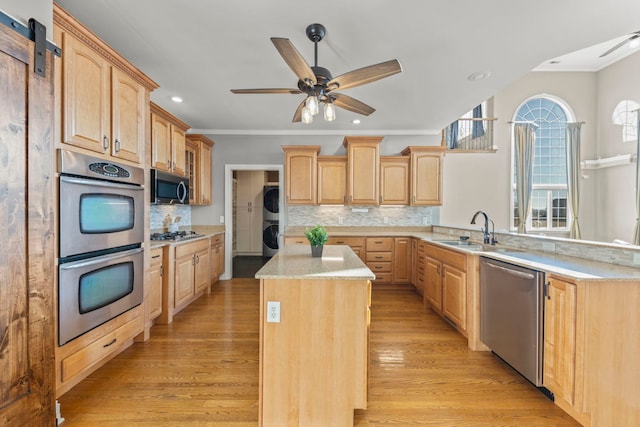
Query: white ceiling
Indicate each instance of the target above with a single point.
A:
(200, 49)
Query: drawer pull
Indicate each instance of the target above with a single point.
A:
(340, 242)
(378, 242)
(378, 257)
(155, 256)
(110, 343)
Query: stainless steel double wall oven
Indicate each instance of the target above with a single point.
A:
(101, 231)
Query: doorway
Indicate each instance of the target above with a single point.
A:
(253, 221)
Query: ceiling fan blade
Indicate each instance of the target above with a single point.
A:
(297, 116)
(351, 104)
(365, 75)
(294, 60)
(272, 90)
(619, 45)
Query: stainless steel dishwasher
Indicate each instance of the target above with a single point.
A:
(511, 315)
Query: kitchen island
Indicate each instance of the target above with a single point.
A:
(314, 337)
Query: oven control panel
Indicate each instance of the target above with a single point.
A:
(109, 169)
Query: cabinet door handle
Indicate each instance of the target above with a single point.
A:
(155, 256)
(117, 145)
(161, 270)
(110, 343)
(105, 142)
(174, 165)
(169, 164)
(414, 199)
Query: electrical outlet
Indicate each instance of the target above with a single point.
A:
(385, 220)
(340, 220)
(273, 311)
(221, 219)
(425, 220)
(636, 259)
(548, 247)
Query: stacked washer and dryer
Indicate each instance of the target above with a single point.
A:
(270, 220)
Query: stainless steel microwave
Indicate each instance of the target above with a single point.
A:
(169, 189)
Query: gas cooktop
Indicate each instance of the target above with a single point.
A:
(175, 236)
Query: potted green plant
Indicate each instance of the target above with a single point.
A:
(317, 237)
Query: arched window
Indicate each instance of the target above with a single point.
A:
(549, 196)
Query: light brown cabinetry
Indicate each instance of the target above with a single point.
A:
(249, 211)
(324, 377)
(446, 284)
(379, 256)
(332, 180)
(426, 175)
(563, 333)
(217, 257)
(167, 141)
(301, 176)
(401, 266)
(394, 180)
(363, 169)
(357, 244)
(198, 168)
(103, 99)
(154, 279)
(418, 265)
(191, 271)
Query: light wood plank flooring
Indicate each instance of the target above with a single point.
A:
(203, 371)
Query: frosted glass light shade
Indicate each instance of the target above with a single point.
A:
(307, 117)
(329, 112)
(312, 105)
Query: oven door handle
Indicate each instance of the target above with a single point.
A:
(81, 181)
(182, 188)
(99, 259)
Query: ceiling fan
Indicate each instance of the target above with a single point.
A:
(632, 37)
(318, 83)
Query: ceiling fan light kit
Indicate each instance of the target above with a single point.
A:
(318, 83)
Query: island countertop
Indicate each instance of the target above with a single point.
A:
(296, 262)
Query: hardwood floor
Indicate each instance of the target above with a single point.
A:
(202, 370)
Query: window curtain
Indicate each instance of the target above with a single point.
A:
(451, 135)
(573, 176)
(636, 238)
(478, 129)
(524, 144)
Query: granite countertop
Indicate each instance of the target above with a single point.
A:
(296, 262)
(570, 267)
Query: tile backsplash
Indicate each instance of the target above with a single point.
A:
(383, 216)
(157, 214)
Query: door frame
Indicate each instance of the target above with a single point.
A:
(228, 208)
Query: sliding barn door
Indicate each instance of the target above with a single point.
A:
(27, 394)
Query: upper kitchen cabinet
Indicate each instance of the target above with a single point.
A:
(301, 180)
(363, 169)
(426, 175)
(198, 168)
(394, 180)
(102, 99)
(168, 141)
(332, 180)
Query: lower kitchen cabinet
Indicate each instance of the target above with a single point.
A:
(156, 270)
(401, 266)
(379, 258)
(186, 276)
(79, 358)
(357, 244)
(418, 265)
(446, 284)
(563, 364)
(216, 257)
(191, 272)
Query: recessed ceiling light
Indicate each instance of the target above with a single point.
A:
(480, 75)
(355, 121)
(176, 99)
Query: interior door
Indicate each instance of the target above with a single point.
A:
(27, 383)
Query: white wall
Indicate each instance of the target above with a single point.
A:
(615, 206)
(23, 10)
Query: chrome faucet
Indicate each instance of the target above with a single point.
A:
(487, 237)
